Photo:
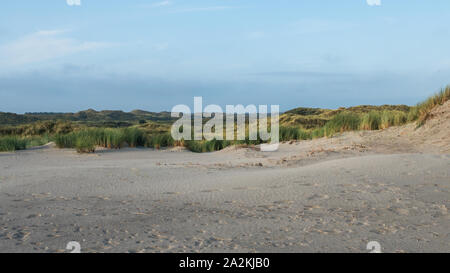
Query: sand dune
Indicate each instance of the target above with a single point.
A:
(324, 195)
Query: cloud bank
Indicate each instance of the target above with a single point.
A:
(43, 45)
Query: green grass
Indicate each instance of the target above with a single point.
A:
(65, 141)
(342, 122)
(12, 143)
(424, 108)
(112, 138)
(370, 121)
(34, 141)
(318, 133)
(15, 143)
(297, 124)
(85, 143)
(160, 141)
(392, 118)
(293, 133)
(134, 137)
(205, 146)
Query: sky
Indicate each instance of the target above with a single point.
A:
(72, 55)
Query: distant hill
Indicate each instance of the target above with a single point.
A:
(89, 115)
(305, 118)
(15, 119)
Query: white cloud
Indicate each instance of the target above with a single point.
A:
(43, 45)
(374, 2)
(162, 4)
(73, 2)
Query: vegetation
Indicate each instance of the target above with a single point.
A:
(207, 146)
(342, 122)
(89, 129)
(14, 143)
(92, 117)
(313, 118)
(85, 142)
(293, 133)
(424, 108)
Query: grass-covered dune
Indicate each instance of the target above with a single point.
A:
(324, 122)
(86, 117)
(297, 124)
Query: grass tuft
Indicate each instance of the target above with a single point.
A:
(12, 143)
(424, 108)
(293, 133)
(15, 143)
(298, 124)
(341, 123)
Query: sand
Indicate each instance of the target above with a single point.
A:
(326, 195)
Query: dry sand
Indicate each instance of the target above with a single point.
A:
(326, 195)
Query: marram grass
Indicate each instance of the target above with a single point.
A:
(424, 108)
(85, 140)
(15, 143)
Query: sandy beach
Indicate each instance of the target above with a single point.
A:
(325, 195)
(224, 131)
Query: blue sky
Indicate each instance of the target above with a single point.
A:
(152, 55)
